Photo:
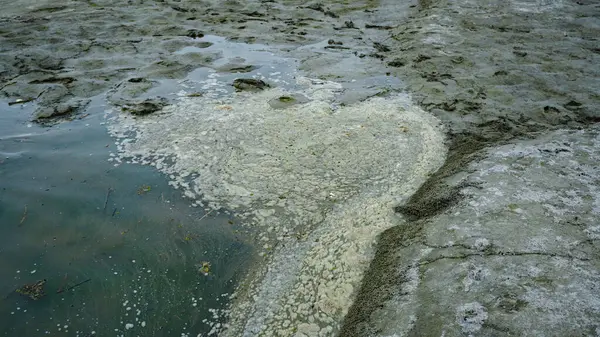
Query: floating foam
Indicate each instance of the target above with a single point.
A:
(317, 181)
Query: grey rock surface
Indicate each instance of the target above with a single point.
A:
(519, 256)
(50, 115)
(496, 72)
(145, 107)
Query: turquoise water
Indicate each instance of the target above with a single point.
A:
(138, 257)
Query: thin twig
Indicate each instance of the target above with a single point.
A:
(205, 215)
(24, 216)
(106, 201)
(21, 101)
(75, 286)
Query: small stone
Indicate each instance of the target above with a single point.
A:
(146, 107)
(380, 47)
(194, 34)
(49, 115)
(397, 63)
(249, 84)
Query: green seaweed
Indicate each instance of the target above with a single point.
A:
(286, 99)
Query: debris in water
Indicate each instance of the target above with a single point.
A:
(75, 286)
(144, 189)
(106, 200)
(34, 290)
(204, 268)
(24, 216)
(21, 101)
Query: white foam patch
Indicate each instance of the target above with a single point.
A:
(317, 181)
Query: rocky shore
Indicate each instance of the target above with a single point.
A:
(502, 240)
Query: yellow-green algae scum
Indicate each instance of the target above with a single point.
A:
(316, 181)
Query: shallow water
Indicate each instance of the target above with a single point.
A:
(110, 259)
(119, 247)
(140, 253)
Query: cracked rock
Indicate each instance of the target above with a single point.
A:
(145, 107)
(50, 115)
